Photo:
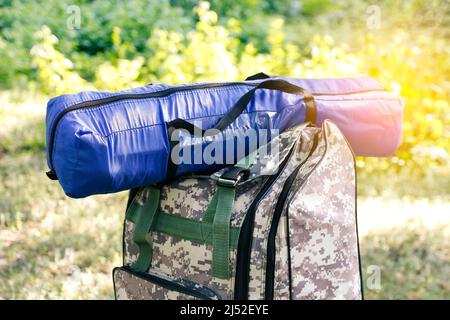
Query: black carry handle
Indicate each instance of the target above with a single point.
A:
(241, 104)
(236, 111)
(273, 84)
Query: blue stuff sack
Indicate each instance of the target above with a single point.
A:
(102, 142)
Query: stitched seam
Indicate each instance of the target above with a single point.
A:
(77, 144)
(54, 147)
(161, 124)
(277, 266)
(113, 104)
(195, 118)
(69, 104)
(264, 250)
(108, 105)
(384, 99)
(219, 89)
(233, 272)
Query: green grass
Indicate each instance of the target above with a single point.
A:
(54, 247)
(414, 262)
(51, 246)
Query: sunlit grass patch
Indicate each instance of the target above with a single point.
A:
(51, 246)
(408, 239)
(55, 247)
(414, 262)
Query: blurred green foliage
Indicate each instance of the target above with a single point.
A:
(121, 44)
(55, 247)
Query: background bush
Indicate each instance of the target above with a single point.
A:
(52, 246)
(121, 44)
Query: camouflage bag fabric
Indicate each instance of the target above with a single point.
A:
(277, 225)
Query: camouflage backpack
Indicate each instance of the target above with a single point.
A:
(250, 231)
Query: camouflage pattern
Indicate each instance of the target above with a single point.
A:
(308, 161)
(189, 198)
(281, 281)
(322, 226)
(184, 258)
(317, 227)
(263, 217)
(130, 286)
(264, 212)
(267, 163)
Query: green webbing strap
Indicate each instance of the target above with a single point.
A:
(208, 215)
(190, 229)
(219, 212)
(244, 163)
(221, 232)
(143, 217)
(247, 161)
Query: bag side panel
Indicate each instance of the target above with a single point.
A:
(322, 227)
(281, 281)
(281, 290)
(264, 214)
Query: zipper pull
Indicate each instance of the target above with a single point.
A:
(51, 175)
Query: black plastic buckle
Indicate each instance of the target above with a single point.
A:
(232, 177)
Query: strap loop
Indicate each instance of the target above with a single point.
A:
(143, 215)
(221, 232)
(258, 76)
(236, 111)
(223, 202)
(241, 104)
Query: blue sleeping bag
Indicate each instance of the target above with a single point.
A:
(102, 142)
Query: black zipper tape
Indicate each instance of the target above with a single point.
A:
(244, 248)
(169, 285)
(270, 263)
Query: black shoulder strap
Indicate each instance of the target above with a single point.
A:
(273, 84)
(238, 108)
(241, 104)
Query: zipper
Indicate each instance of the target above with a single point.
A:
(287, 211)
(244, 248)
(172, 286)
(270, 263)
(103, 101)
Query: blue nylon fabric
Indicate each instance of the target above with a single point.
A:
(122, 145)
